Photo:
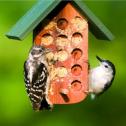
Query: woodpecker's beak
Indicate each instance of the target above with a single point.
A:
(101, 60)
(47, 50)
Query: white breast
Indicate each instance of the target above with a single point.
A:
(30, 74)
(98, 77)
(31, 70)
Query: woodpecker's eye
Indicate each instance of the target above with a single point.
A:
(40, 50)
(106, 66)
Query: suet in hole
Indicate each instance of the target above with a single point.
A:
(51, 25)
(76, 70)
(76, 85)
(62, 41)
(80, 18)
(62, 71)
(62, 55)
(79, 23)
(76, 53)
(46, 39)
(62, 23)
(76, 38)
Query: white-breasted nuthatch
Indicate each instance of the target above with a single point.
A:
(36, 76)
(101, 77)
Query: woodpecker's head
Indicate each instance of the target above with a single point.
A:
(38, 51)
(107, 65)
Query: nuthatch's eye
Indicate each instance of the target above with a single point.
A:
(106, 66)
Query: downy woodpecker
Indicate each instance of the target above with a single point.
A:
(36, 76)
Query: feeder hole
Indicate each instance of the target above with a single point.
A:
(76, 53)
(77, 34)
(47, 39)
(76, 70)
(76, 38)
(62, 36)
(79, 23)
(62, 41)
(76, 85)
(62, 23)
(78, 17)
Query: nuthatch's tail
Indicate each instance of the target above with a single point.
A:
(93, 96)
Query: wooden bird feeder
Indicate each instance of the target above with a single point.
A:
(63, 27)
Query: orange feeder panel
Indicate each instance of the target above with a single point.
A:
(67, 37)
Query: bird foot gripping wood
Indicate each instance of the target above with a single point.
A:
(88, 91)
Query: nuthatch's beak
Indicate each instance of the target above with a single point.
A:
(101, 60)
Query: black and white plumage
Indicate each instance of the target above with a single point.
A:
(101, 77)
(37, 78)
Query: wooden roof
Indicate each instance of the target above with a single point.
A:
(43, 7)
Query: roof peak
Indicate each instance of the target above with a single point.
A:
(42, 8)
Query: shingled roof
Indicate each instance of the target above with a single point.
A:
(44, 7)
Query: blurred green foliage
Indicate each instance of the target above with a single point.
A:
(107, 110)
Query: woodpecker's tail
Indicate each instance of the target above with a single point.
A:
(36, 106)
(41, 106)
(45, 105)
